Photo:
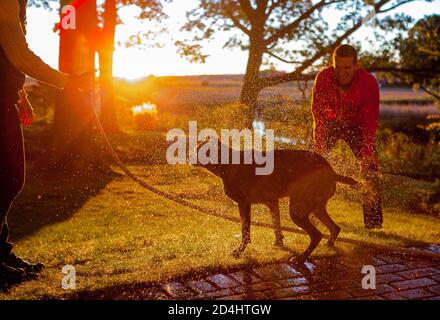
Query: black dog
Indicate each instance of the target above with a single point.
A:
(304, 176)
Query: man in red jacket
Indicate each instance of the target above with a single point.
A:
(345, 105)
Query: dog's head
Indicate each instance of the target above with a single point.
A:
(208, 154)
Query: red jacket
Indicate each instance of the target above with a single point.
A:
(358, 106)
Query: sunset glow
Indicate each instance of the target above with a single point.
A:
(144, 108)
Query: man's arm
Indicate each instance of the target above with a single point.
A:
(318, 107)
(13, 42)
(370, 119)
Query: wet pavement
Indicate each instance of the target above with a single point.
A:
(397, 277)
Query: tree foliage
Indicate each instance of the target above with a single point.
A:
(290, 31)
(420, 52)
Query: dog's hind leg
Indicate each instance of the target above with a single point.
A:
(276, 220)
(322, 214)
(245, 214)
(300, 216)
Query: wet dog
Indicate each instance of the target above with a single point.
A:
(303, 176)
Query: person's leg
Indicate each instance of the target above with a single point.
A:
(12, 177)
(372, 204)
(11, 181)
(369, 167)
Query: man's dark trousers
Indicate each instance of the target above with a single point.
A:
(371, 199)
(12, 164)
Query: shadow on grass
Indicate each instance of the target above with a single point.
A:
(382, 235)
(49, 199)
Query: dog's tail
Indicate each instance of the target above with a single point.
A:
(345, 180)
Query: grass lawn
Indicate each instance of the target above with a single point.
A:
(115, 232)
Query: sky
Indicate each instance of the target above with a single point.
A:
(138, 62)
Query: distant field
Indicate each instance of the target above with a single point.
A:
(177, 93)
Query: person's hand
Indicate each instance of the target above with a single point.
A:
(25, 111)
(83, 82)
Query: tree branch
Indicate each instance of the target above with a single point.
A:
(237, 22)
(281, 59)
(271, 8)
(432, 93)
(292, 26)
(297, 73)
(395, 6)
(247, 9)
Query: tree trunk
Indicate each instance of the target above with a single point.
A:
(74, 130)
(107, 44)
(251, 84)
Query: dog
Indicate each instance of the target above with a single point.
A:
(303, 176)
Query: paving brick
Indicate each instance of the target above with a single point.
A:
(334, 295)
(287, 292)
(414, 283)
(261, 286)
(222, 281)
(344, 284)
(376, 261)
(307, 267)
(320, 277)
(408, 294)
(418, 273)
(393, 296)
(329, 263)
(176, 290)
(352, 263)
(214, 294)
(390, 258)
(234, 297)
(293, 282)
(342, 275)
(387, 278)
(421, 263)
(244, 277)
(435, 289)
(289, 271)
(256, 296)
(333, 285)
(276, 272)
(200, 286)
(387, 268)
(436, 278)
(374, 297)
(380, 289)
(433, 248)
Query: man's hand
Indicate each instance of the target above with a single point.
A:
(25, 111)
(83, 82)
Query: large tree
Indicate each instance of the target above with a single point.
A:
(75, 138)
(290, 31)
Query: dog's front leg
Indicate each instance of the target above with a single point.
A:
(276, 220)
(245, 214)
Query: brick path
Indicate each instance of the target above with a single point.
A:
(397, 277)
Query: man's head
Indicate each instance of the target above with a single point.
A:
(345, 64)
